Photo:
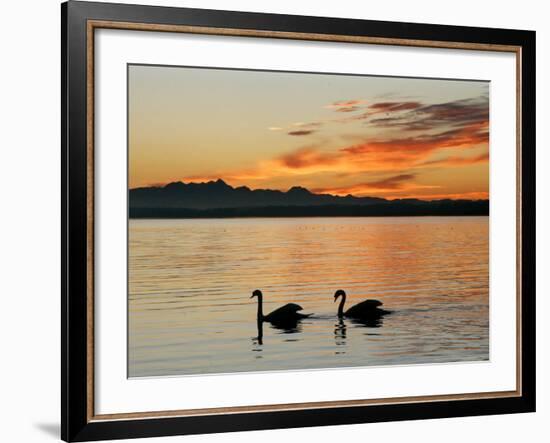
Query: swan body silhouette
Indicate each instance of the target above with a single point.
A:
(366, 310)
(287, 314)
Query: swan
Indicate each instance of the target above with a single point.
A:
(287, 314)
(366, 310)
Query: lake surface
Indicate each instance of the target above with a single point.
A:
(190, 282)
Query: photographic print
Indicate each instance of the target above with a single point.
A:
(297, 220)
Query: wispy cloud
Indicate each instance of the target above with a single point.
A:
(458, 161)
(301, 132)
(409, 115)
(299, 128)
(305, 128)
(345, 105)
(393, 182)
(307, 125)
(389, 185)
(395, 106)
(419, 117)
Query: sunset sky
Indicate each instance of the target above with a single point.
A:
(339, 134)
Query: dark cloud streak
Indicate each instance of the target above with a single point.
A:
(301, 132)
(394, 182)
(456, 113)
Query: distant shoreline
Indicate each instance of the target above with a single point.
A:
(438, 208)
(217, 199)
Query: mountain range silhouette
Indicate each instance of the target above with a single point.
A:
(218, 199)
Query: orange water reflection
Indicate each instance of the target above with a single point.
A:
(190, 282)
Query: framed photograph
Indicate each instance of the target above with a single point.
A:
(275, 221)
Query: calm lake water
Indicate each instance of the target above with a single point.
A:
(190, 283)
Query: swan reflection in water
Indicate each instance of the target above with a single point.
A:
(260, 338)
(341, 330)
(288, 327)
(340, 333)
(258, 341)
(288, 320)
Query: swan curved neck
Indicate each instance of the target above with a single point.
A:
(260, 309)
(341, 305)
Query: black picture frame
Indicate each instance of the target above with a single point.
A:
(76, 422)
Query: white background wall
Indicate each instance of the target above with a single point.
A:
(29, 221)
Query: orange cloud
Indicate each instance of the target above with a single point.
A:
(306, 157)
(470, 135)
(396, 154)
(458, 125)
(458, 161)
